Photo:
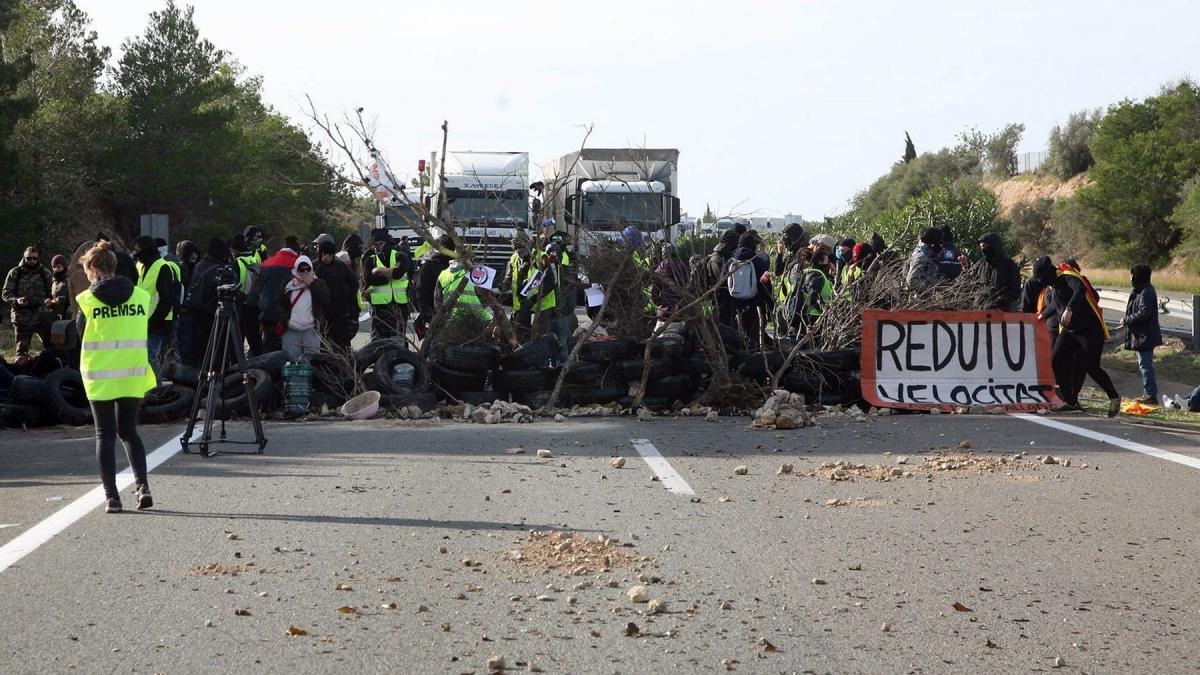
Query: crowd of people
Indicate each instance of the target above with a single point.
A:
(307, 298)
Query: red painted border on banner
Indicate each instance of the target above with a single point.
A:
(872, 317)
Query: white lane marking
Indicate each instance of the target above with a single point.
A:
(7, 525)
(667, 475)
(29, 540)
(1111, 440)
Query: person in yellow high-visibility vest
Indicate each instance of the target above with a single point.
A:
(467, 301)
(385, 273)
(817, 287)
(115, 367)
(158, 278)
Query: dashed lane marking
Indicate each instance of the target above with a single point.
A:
(1111, 440)
(667, 475)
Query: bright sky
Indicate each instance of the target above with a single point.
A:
(775, 107)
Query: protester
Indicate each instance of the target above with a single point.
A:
(249, 265)
(715, 268)
(185, 325)
(59, 287)
(950, 261)
(385, 271)
(998, 273)
(29, 293)
(428, 273)
(1037, 296)
(921, 270)
(274, 273)
(568, 278)
(342, 313)
(671, 276)
(1144, 332)
(861, 257)
(301, 308)
(746, 290)
(1081, 342)
(353, 245)
(201, 297)
(883, 253)
(822, 241)
(157, 278)
(115, 368)
(454, 279)
(842, 254)
(816, 287)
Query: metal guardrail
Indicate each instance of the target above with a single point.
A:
(1182, 309)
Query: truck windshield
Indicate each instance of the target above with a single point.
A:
(475, 207)
(614, 210)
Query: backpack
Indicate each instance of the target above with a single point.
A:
(252, 284)
(741, 282)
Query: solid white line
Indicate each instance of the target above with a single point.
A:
(667, 475)
(29, 540)
(1111, 440)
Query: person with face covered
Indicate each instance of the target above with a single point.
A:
(28, 290)
(921, 270)
(1037, 296)
(1144, 332)
(998, 273)
(342, 314)
(1081, 340)
(385, 270)
(302, 308)
(59, 288)
(157, 277)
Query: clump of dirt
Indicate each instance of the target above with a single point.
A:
(860, 503)
(217, 569)
(572, 553)
(945, 462)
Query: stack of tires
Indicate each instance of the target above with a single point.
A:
(825, 378)
(401, 377)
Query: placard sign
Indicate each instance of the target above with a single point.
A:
(947, 360)
(482, 277)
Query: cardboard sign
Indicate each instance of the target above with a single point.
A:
(482, 277)
(947, 360)
(595, 295)
(531, 286)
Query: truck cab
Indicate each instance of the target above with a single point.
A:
(486, 197)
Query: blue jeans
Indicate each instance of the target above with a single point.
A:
(155, 343)
(1193, 400)
(1146, 366)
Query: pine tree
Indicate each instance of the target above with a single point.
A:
(910, 150)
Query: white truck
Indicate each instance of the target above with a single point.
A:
(486, 197)
(598, 192)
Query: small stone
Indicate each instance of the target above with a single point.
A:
(711, 416)
(443, 549)
(208, 623)
(725, 604)
(896, 471)
(1066, 462)
(818, 582)
(544, 453)
(723, 499)
(784, 470)
(902, 459)
(785, 423)
(631, 630)
(1059, 662)
(935, 411)
(644, 414)
(495, 663)
(856, 567)
(965, 445)
(832, 502)
(559, 418)
(1049, 459)
(656, 606)
(885, 627)
(741, 470)
(617, 462)
(515, 451)
(638, 593)
(231, 536)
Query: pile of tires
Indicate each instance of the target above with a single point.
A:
(823, 377)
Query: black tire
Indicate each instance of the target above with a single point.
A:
(234, 400)
(422, 380)
(271, 362)
(166, 404)
(588, 394)
(524, 380)
(28, 389)
(455, 381)
(181, 374)
(758, 366)
(469, 358)
(675, 387)
(838, 361)
(607, 351)
(476, 397)
(368, 354)
(331, 374)
(732, 338)
(585, 372)
(47, 361)
(631, 371)
(533, 354)
(670, 347)
(65, 393)
(425, 401)
(19, 415)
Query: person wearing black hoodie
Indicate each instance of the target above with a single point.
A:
(745, 312)
(157, 279)
(998, 273)
(1144, 332)
(201, 298)
(428, 271)
(1081, 340)
(715, 268)
(185, 324)
(1037, 296)
(342, 314)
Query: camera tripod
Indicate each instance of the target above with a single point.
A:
(224, 338)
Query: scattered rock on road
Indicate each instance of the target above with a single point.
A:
(617, 462)
(784, 470)
(544, 453)
(638, 593)
(741, 470)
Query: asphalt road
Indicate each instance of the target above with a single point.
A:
(1093, 566)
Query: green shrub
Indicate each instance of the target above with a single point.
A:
(1069, 153)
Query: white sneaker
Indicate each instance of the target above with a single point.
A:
(1168, 404)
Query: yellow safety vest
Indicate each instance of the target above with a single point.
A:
(114, 362)
(514, 264)
(393, 290)
(826, 292)
(467, 300)
(148, 281)
(549, 300)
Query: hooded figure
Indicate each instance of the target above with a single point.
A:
(998, 273)
(714, 272)
(342, 282)
(353, 245)
(1144, 334)
(301, 308)
(1037, 295)
(921, 270)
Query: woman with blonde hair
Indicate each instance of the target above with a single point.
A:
(115, 367)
